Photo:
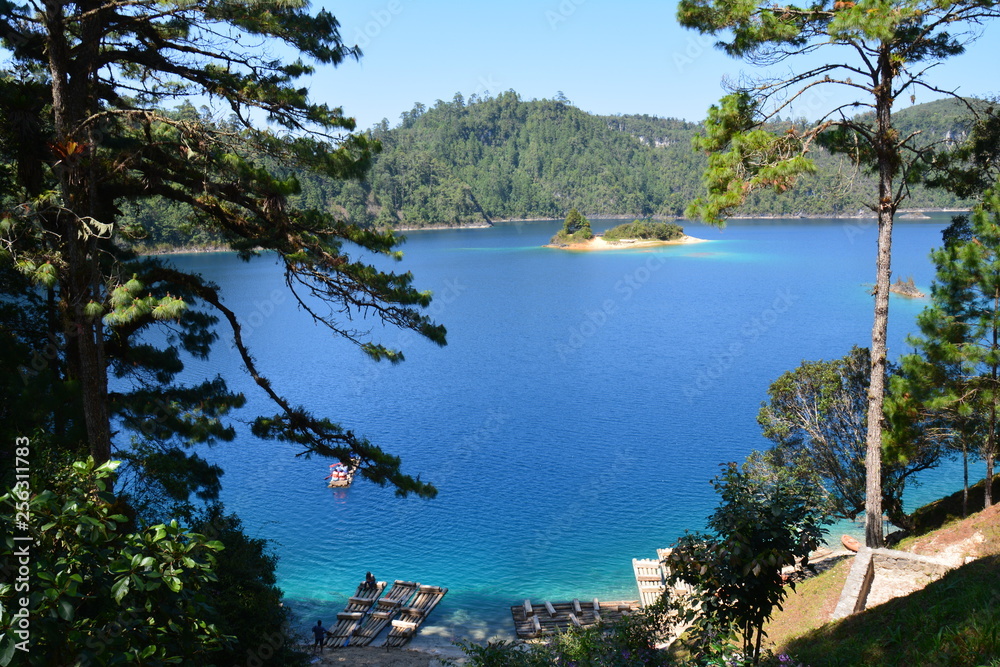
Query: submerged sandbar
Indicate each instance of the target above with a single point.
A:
(598, 243)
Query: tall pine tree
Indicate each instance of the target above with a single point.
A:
(878, 53)
(955, 371)
(83, 109)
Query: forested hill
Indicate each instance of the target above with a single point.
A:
(473, 161)
(477, 160)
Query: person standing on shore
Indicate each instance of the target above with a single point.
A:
(319, 632)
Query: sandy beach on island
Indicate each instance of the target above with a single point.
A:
(598, 243)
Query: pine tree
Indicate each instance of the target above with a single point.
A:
(955, 371)
(85, 96)
(889, 48)
(576, 224)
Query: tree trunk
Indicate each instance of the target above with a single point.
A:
(876, 392)
(988, 490)
(991, 438)
(990, 450)
(885, 150)
(965, 486)
(80, 283)
(94, 385)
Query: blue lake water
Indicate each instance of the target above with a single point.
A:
(575, 418)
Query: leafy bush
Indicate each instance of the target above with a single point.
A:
(96, 591)
(624, 643)
(576, 229)
(246, 602)
(645, 230)
(760, 526)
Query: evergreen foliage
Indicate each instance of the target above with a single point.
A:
(576, 228)
(493, 158)
(580, 162)
(91, 161)
(92, 164)
(644, 230)
(816, 416)
(878, 54)
(954, 373)
(759, 526)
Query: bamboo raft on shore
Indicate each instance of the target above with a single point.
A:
(350, 619)
(650, 580)
(412, 616)
(548, 618)
(387, 607)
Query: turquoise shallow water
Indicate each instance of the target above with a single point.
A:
(574, 420)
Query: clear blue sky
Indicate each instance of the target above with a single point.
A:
(628, 56)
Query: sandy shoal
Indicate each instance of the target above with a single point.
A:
(598, 243)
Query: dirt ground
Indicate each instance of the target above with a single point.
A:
(351, 656)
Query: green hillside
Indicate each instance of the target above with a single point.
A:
(468, 162)
(478, 160)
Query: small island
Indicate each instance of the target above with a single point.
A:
(576, 234)
(906, 288)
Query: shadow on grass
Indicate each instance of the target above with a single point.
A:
(953, 622)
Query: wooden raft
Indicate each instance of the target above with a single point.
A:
(413, 615)
(350, 619)
(352, 467)
(386, 609)
(549, 618)
(649, 577)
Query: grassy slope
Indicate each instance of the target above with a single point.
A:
(954, 621)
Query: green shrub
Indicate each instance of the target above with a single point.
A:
(623, 643)
(97, 593)
(576, 229)
(645, 230)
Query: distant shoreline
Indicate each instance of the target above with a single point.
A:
(902, 214)
(440, 226)
(597, 243)
(184, 250)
